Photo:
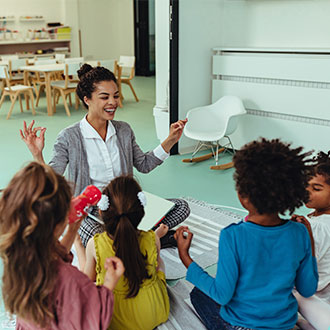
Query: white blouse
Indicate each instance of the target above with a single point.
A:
(321, 233)
(103, 156)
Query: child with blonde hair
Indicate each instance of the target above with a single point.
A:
(39, 285)
(141, 299)
(262, 259)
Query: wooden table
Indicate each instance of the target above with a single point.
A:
(47, 70)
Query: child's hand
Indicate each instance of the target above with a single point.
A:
(184, 237)
(301, 219)
(306, 223)
(115, 269)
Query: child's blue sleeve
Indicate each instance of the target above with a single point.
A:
(307, 276)
(222, 287)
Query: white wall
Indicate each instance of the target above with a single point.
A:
(107, 28)
(162, 51)
(276, 23)
(200, 29)
(71, 18)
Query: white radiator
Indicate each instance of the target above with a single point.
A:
(286, 93)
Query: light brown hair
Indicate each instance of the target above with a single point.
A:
(34, 203)
(121, 220)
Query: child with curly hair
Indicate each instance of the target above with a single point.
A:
(262, 259)
(39, 285)
(319, 222)
(141, 299)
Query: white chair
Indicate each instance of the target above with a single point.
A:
(14, 92)
(74, 60)
(59, 58)
(126, 72)
(15, 74)
(9, 57)
(66, 87)
(210, 124)
(109, 64)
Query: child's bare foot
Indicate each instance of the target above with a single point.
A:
(161, 231)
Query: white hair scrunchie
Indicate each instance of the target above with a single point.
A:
(142, 198)
(103, 203)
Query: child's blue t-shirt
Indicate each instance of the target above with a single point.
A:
(258, 267)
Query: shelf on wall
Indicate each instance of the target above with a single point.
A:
(40, 41)
(7, 19)
(32, 19)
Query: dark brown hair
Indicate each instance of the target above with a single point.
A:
(272, 175)
(121, 220)
(34, 203)
(322, 165)
(88, 77)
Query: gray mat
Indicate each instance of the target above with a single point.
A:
(206, 222)
(182, 313)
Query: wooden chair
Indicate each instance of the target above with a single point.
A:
(15, 74)
(127, 66)
(38, 79)
(109, 64)
(14, 92)
(66, 87)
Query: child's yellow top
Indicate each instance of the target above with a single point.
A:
(151, 305)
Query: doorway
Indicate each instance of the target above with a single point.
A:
(144, 36)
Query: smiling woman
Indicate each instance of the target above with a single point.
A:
(98, 148)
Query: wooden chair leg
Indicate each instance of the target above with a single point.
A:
(2, 98)
(77, 103)
(32, 101)
(133, 91)
(57, 98)
(54, 101)
(40, 90)
(70, 100)
(20, 102)
(13, 100)
(65, 104)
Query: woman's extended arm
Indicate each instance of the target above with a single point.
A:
(34, 142)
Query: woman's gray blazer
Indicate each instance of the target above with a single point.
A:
(69, 149)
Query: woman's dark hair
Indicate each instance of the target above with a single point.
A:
(322, 165)
(88, 77)
(36, 200)
(273, 176)
(121, 220)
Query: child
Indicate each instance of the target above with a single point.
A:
(262, 259)
(319, 219)
(313, 309)
(39, 284)
(141, 299)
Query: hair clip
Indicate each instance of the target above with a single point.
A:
(142, 198)
(103, 204)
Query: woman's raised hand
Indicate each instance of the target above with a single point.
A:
(176, 130)
(34, 142)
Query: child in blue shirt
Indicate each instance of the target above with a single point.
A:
(263, 259)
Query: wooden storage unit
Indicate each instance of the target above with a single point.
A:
(22, 47)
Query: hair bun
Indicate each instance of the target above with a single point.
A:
(83, 70)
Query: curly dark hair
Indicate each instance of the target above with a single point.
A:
(322, 165)
(272, 176)
(88, 77)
